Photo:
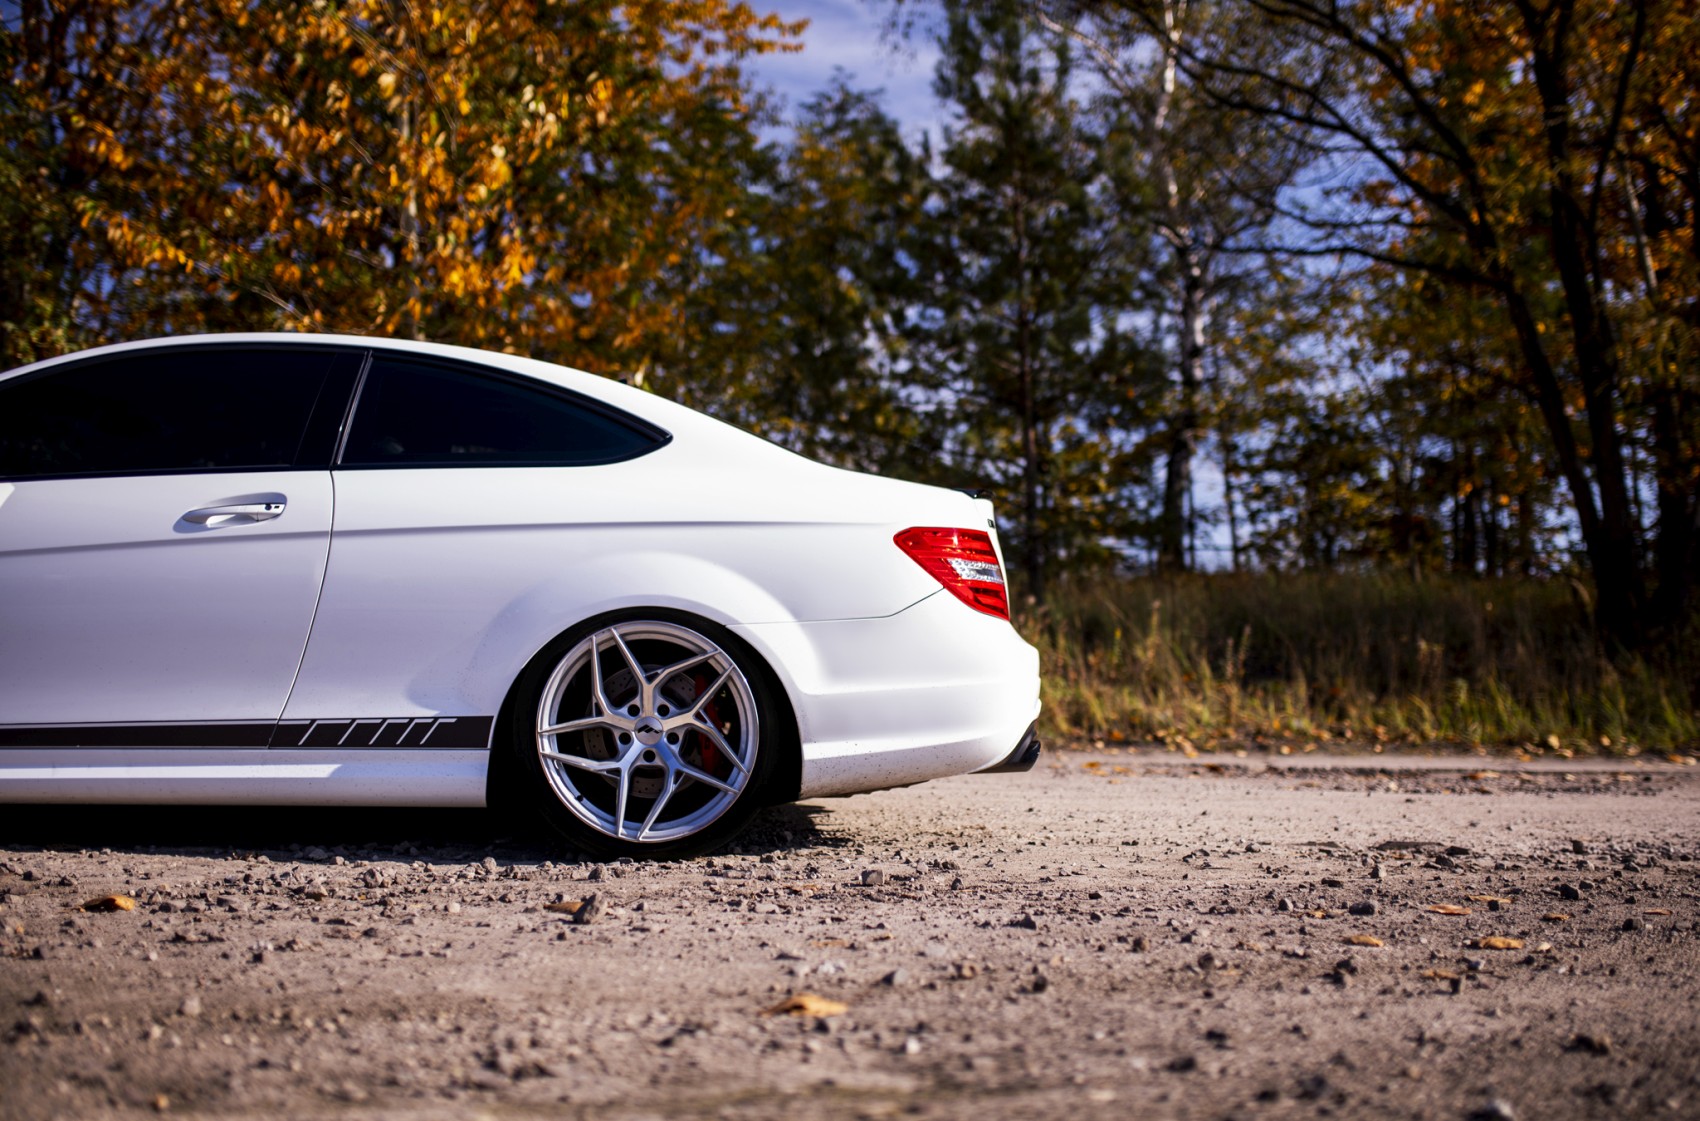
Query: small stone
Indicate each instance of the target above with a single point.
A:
(872, 877)
(956, 884)
(1569, 891)
(589, 911)
(191, 1006)
(1635, 922)
(315, 853)
(1495, 1109)
(1378, 873)
(895, 978)
(1578, 846)
(1139, 944)
(1364, 908)
(488, 864)
(1286, 905)
(1040, 983)
(1182, 1064)
(1592, 1044)
(597, 875)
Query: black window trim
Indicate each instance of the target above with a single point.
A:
(643, 427)
(312, 346)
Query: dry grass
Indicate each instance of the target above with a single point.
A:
(1233, 661)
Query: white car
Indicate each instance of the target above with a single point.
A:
(330, 570)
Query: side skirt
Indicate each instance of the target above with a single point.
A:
(258, 777)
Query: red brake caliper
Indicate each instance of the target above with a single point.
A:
(710, 754)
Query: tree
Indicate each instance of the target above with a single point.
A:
(1541, 155)
(1020, 335)
(805, 323)
(542, 177)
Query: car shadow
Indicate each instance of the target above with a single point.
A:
(283, 833)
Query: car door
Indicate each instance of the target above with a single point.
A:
(458, 489)
(165, 515)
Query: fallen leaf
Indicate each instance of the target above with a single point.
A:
(1317, 914)
(1555, 916)
(807, 1004)
(1500, 899)
(565, 907)
(1656, 911)
(110, 903)
(1363, 940)
(1479, 775)
(829, 943)
(1449, 909)
(1440, 975)
(1496, 942)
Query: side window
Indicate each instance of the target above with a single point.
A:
(192, 408)
(413, 414)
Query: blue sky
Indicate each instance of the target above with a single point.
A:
(849, 35)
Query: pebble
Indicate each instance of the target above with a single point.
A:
(1286, 905)
(872, 877)
(895, 978)
(589, 912)
(191, 1006)
(1364, 908)
(1635, 922)
(1495, 1109)
(1569, 891)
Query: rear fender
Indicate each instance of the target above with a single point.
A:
(669, 580)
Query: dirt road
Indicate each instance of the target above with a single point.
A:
(1109, 936)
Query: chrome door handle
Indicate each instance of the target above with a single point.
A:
(246, 513)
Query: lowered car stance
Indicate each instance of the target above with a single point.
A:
(328, 570)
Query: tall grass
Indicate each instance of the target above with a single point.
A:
(1230, 661)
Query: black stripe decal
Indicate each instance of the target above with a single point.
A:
(377, 732)
(137, 735)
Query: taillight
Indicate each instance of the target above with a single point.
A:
(964, 561)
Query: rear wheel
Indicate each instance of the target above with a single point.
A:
(645, 736)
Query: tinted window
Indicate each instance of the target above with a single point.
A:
(184, 409)
(415, 413)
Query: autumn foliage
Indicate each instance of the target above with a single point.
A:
(507, 175)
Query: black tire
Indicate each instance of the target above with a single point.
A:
(703, 733)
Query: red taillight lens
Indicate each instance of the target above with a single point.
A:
(964, 561)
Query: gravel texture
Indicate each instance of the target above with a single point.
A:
(1108, 936)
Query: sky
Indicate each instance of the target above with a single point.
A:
(850, 35)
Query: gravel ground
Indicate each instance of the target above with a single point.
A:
(1109, 936)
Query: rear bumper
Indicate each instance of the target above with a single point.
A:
(937, 689)
(1025, 755)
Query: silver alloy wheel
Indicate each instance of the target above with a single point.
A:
(647, 731)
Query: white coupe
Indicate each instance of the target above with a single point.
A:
(329, 570)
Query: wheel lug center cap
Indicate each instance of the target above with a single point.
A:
(648, 731)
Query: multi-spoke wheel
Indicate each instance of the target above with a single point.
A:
(647, 737)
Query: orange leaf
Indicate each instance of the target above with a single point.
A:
(807, 1004)
(1496, 942)
(110, 903)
